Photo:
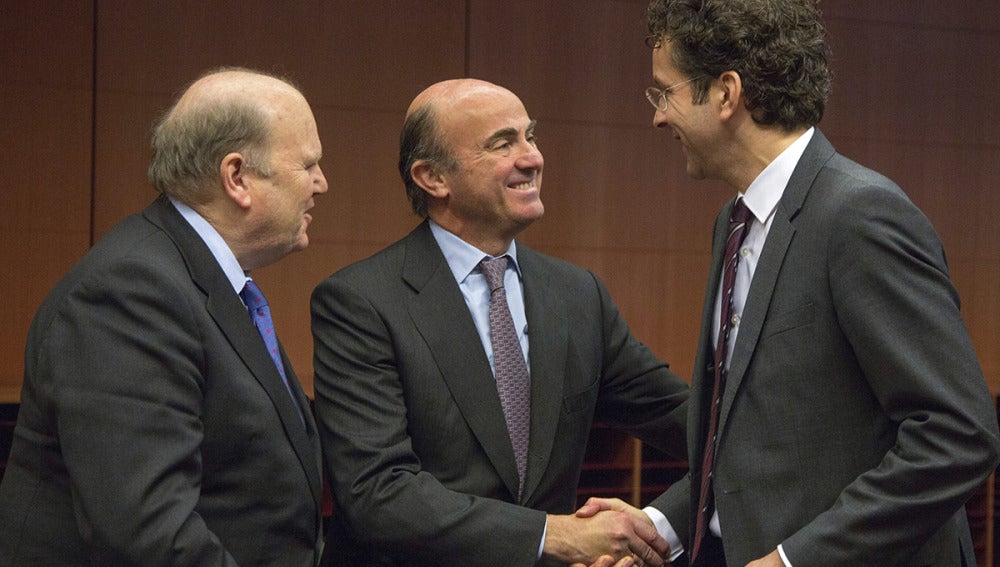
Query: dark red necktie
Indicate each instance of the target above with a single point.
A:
(737, 231)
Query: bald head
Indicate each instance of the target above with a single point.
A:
(232, 86)
(224, 111)
(453, 92)
(422, 138)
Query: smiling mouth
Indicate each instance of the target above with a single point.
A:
(523, 186)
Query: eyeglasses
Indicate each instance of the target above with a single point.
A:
(659, 97)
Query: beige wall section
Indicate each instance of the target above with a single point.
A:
(46, 85)
(912, 98)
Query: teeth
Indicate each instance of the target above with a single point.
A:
(525, 185)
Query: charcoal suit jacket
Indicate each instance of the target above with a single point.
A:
(154, 427)
(414, 436)
(855, 421)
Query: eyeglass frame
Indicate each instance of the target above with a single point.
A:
(654, 94)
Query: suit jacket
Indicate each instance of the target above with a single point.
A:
(855, 420)
(413, 433)
(154, 428)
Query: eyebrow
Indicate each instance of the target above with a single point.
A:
(509, 132)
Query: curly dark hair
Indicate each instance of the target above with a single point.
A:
(777, 47)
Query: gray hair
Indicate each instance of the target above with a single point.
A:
(188, 145)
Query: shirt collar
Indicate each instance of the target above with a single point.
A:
(216, 245)
(764, 193)
(462, 257)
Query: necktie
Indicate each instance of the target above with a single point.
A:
(737, 232)
(261, 315)
(511, 371)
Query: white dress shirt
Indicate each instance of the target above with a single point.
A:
(761, 197)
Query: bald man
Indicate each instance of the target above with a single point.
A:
(157, 425)
(419, 441)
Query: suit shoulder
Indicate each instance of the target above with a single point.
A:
(132, 242)
(561, 274)
(382, 271)
(847, 175)
(550, 264)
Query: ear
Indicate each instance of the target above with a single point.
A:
(730, 94)
(233, 171)
(429, 179)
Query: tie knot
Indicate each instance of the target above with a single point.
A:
(493, 269)
(252, 295)
(740, 213)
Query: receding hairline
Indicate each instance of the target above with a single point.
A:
(452, 91)
(234, 86)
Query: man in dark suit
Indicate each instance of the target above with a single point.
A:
(423, 457)
(853, 419)
(155, 427)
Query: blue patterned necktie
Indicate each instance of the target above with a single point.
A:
(261, 315)
(510, 368)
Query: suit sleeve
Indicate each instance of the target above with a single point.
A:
(391, 504)
(123, 356)
(639, 394)
(642, 396)
(900, 313)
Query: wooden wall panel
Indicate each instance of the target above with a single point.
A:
(45, 133)
(359, 64)
(908, 100)
(908, 103)
(617, 198)
(615, 190)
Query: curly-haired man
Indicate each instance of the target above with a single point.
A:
(838, 413)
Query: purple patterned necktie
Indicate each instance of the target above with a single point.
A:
(737, 231)
(511, 371)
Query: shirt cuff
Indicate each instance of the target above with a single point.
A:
(784, 558)
(545, 530)
(666, 531)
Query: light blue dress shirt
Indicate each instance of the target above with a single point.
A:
(463, 259)
(216, 245)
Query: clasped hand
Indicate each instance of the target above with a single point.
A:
(603, 532)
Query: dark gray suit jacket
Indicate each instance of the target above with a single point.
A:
(855, 421)
(413, 433)
(154, 428)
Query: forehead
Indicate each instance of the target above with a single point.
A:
(467, 122)
(664, 70)
(293, 127)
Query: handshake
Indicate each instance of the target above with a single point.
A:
(605, 533)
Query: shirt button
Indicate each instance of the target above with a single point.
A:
(735, 320)
(745, 252)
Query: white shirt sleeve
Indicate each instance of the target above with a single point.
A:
(666, 531)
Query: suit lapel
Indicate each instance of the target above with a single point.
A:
(439, 312)
(547, 338)
(703, 379)
(765, 277)
(232, 318)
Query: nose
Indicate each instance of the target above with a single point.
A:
(660, 118)
(531, 159)
(321, 184)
